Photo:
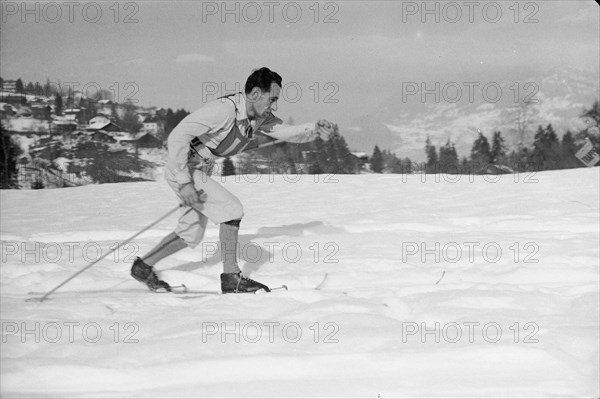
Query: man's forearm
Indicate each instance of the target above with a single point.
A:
(293, 133)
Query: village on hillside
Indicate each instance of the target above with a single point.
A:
(37, 113)
(69, 139)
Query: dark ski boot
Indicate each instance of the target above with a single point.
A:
(237, 283)
(145, 274)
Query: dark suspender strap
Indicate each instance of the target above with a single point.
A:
(196, 140)
(229, 98)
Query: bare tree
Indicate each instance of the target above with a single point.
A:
(524, 117)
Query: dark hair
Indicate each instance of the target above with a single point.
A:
(262, 78)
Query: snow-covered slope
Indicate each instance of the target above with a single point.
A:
(426, 288)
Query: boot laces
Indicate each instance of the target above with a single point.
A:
(242, 277)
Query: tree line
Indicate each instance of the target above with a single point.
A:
(547, 152)
(316, 157)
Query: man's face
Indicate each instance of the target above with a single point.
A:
(260, 103)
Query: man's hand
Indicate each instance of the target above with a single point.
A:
(324, 129)
(190, 196)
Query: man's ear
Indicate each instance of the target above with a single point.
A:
(255, 93)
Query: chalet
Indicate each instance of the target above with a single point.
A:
(362, 160)
(102, 136)
(99, 119)
(13, 98)
(153, 126)
(148, 141)
(124, 137)
(102, 123)
(62, 126)
(9, 86)
(42, 112)
(75, 114)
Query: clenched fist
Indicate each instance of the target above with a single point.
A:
(324, 129)
(190, 196)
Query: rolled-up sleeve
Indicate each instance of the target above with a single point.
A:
(276, 129)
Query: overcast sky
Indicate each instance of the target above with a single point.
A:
(346, 58)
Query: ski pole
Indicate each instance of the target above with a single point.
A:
(43, 298)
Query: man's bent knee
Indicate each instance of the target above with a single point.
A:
(235, 222)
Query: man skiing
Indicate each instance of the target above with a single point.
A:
(224, 127)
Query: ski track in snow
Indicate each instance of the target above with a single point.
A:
(373, 236)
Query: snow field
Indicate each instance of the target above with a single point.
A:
(426, 288)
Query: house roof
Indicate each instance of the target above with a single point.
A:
(103, 125)
(63, 122)
(99, 118)
(360, 154)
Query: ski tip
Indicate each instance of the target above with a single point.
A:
(284, 287)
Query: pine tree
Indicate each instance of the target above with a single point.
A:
(333, 164)
(58, 105)
(568, 150)
(407, 166)
(432, 157)
(318, 158)
(448, 158)
(228, 167)
(546, 149)
(114, 115)
(377, 160)
(498, 151)
(465, 166)
(130, 121)
(291, 164)
(481, 154)
(19, 86)
(390, 161)
(9, 152)
(48, 88)
(345, 160)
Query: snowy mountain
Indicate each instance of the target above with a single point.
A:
(399, 286)
(455, 109)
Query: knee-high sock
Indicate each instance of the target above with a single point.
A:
(228, 236)
(168, 246)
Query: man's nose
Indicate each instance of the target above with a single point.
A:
(274, 106)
